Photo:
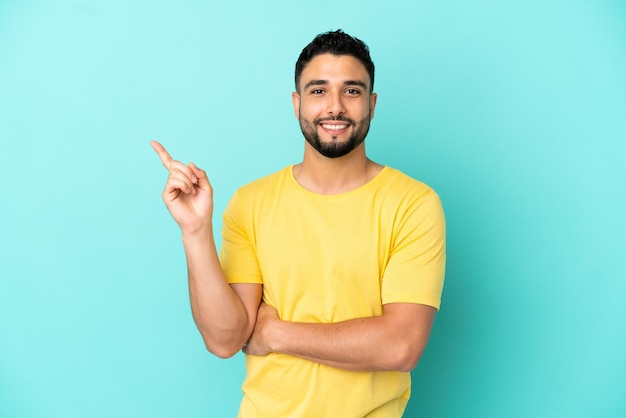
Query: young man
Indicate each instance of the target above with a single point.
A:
(331, 270)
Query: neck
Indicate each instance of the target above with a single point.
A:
(328, 176)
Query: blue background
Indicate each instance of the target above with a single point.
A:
(515, 112)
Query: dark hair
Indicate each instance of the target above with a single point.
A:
(336, 43)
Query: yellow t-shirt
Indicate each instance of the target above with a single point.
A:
(326, 259)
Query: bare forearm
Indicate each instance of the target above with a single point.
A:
(224, 316)
(354, 345)
(364, 344)
(218, 312)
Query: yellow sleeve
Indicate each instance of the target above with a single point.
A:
(238, 253)
(416, 266)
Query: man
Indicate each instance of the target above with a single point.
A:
(331, 270)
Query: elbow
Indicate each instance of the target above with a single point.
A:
(407, 365)
(407, 357)
(222, 350)
(223, 342)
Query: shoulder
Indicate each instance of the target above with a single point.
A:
(414, 207)
(248, 198)
(264, 184)
(403, 186)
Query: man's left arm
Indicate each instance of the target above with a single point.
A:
(393, 341)
(411, 291)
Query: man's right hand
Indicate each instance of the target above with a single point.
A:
(188, 194)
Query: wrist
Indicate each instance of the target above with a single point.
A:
(200, 233)
(276, 333)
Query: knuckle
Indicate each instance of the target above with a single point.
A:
(175, 164)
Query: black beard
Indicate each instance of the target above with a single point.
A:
(335, 149)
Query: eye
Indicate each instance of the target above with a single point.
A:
(317, 91)
(353, 92)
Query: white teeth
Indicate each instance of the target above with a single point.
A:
(334, 127)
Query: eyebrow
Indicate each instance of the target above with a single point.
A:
(345, 83)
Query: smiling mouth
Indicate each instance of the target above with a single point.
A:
(334, 127)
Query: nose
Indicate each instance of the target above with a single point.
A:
(335, 104)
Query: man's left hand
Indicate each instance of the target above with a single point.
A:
(259, 343)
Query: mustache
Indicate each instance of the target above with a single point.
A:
(335, 118)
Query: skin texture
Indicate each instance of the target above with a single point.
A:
(225, 315)
(350, 99)
(334, 90)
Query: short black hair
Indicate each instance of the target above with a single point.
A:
(337, 43)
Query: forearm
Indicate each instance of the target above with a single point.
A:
(218, 312)
(357, 344)
(363, 344)
(224, 316)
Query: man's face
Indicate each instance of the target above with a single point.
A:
(334, 104)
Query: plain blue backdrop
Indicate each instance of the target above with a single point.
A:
(515, 112)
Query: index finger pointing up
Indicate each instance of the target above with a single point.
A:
(165, 157)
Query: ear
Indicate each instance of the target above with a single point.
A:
(373, 99)
(295, 99)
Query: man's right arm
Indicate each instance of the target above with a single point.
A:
(224, 314)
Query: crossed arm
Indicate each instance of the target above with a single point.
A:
(228, 316)
(393, 341)
(225, 315)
